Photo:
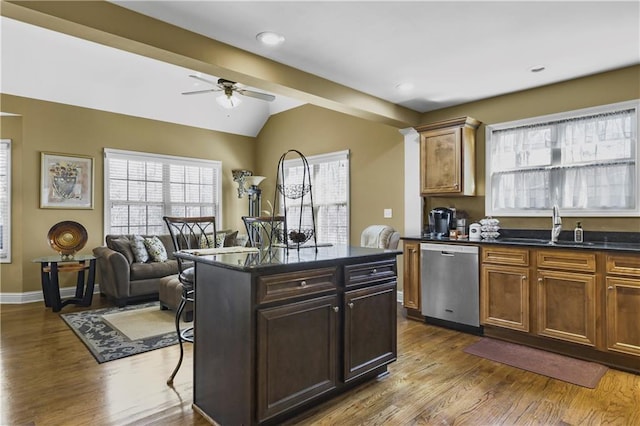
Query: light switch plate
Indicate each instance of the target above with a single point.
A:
(388, 213)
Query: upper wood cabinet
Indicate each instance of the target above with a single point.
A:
(447, 157)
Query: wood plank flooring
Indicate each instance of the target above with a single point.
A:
(48, 377)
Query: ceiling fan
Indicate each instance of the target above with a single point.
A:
(229, 87)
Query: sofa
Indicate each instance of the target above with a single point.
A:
(127, 277)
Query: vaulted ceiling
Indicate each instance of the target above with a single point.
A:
(349, 56)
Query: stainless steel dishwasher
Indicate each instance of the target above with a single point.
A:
(450, 284)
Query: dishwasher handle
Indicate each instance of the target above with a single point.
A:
(447, 253)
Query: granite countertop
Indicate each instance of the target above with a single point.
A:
(613, 241)
(247, 261)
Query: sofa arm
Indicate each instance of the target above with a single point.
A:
(114, 272)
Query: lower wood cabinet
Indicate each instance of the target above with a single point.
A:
(370, 334)
(505, 297)
(583, 303)
(566, 306)
(623, 304)
(291, 339)
(411, 278)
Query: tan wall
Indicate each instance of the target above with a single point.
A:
(376, 159)
(601, 89)
(51, 127)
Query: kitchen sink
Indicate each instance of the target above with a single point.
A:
(525, 240)
(544, 241)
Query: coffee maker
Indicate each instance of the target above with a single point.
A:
(441, 221)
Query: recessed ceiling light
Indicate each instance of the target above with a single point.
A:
(404, 87)
(270, 38)
(537, 68)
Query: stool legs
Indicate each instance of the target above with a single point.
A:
(187, 296)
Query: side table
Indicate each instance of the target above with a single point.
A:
(50, 266)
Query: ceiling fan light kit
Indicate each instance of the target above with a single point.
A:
(229, 99)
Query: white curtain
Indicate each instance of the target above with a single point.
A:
(586, 162)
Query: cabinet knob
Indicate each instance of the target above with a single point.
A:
(610, 287)
(524, 277)
(336, 309)
(350, 305)
(303, 283)
(540, 280)
(374, 271)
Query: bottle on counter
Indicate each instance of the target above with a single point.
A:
(578, 233)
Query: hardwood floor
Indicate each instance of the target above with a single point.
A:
(48, 377)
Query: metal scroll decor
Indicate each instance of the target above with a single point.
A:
(297, 202)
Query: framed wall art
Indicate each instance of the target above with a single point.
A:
(66, 181)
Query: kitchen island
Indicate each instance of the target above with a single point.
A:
(278, 331)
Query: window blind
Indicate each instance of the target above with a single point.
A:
(330, 190)
(5, 201)
(141, 188)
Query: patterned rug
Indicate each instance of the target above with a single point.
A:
(114, 333)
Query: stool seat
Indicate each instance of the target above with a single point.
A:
(170, 294)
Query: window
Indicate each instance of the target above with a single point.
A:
(585, 161)
(141, 188)
(330, 190)
(5, 201)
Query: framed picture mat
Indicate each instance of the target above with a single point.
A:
(66, 181)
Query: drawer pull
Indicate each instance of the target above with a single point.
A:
(303, 283)
(336, 309)
(540, 280)
(524, 278)
(610, 287)
(351, 305)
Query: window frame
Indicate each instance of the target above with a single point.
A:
(166, 160)
(567, 115)
(343, 155)
(5, 250)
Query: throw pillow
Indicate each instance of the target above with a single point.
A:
(230, 239)
(121, 245)
(140, 253)
(156, 249)
(208, 241)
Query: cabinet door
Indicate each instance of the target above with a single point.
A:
(623, 315)
(504, 297)
(440, 152)
(297, 353)
(370, 329)
(567, 306)
(411, 275)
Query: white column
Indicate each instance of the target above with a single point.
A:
(412, 197)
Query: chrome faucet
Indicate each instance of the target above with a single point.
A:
(557, 224)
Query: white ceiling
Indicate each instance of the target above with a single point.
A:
(452, 52)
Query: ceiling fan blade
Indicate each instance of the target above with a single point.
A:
(197, 77)
(196, 92)
(257, 95)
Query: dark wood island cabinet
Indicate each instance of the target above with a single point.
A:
(277, 332)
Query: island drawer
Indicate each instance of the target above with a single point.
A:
(506, 256)
(623, 264)
(368, 273)
(290, 285)
(571, 260)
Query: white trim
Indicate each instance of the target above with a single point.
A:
(36, 296)
(412, 196)
(489, 129)
(7, 250)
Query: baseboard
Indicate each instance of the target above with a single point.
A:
(36, 296)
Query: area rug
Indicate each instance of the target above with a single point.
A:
(567, 369)
(114, 333)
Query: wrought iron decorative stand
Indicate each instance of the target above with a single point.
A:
(296, 231)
